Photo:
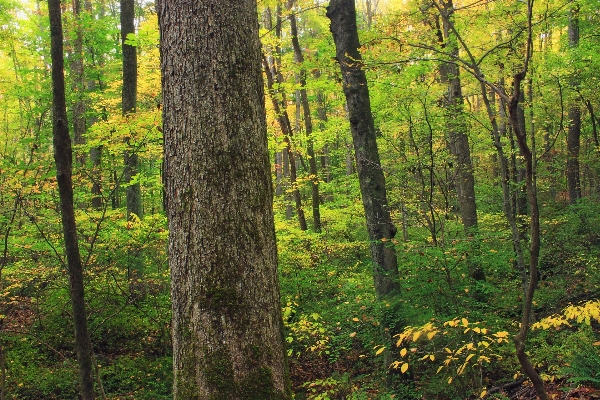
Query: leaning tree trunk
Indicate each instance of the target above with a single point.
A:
(227, 326)
(128, 105)
(342, 14)
(63, 157)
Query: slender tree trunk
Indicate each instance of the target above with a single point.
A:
(78, 81)
(286, 129)
(128, 106)
(342, 14)
(63, 157)
(308, 126)
(574, 133)
(227, 326)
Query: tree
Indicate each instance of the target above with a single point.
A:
(129, 100)
(312, 161)
(227, 325)
(574, 132)
(381, 230)
(63, 157)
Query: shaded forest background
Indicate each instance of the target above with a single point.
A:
(440, 76)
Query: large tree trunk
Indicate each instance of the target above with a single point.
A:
(574, 133)
(63, 157)
(128, 105)
(308, 126)
(227, 326)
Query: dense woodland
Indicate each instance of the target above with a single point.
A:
(485, 173)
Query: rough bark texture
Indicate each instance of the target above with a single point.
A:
(64, 163)
(227, 327)
(308, 126)
(128, 105)
(342, 14)
(574, 134)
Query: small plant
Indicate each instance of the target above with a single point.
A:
(459, 350)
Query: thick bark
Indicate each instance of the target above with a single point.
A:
(574, 133)
(128, 105)
(308, 126)
(64, 163)
(227, 326)
(342, 14)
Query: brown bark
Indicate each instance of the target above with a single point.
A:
(64, 164)
(227, 327)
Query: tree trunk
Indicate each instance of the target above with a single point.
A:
(342, 14)
(574, 133)
(63, 157)
(308, 126)
(457, 131)
(128, 106)
(227, 326)
(286, 129)
(78, 81)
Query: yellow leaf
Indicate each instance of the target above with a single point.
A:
(355, 319)
(470, 346)
(478, 330)
(469, 357)
(482, 395)
(449, 380)
(448, 350)
(467, 330)
(378, 352)
(353, 334)
(465, 322)
(503, 334)
(416, 336)
(439, 369)
(432, 357)
(404, 368)
(403, 352)
(431, 334)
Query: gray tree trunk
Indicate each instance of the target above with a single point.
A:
(129, 100)
(63, 157)
(457, 131)
(574, 134)
(308, 126)
(227, 326)
(342, 14)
